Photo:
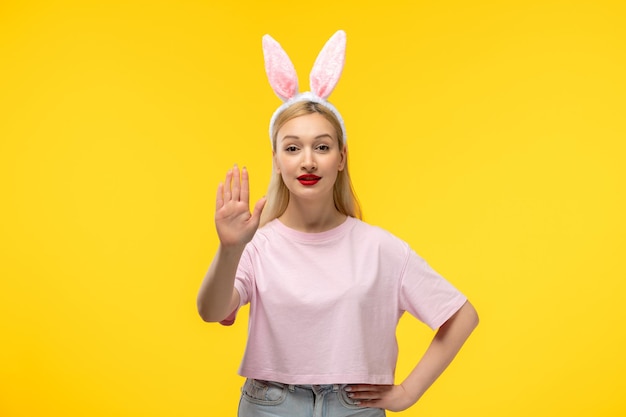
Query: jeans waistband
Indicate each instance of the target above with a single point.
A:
(316, 388)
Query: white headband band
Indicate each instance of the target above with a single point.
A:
(323, 78)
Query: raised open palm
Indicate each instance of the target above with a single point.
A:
(234, 223)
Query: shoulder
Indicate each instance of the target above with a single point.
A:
(372, 234)
(261, 240)
(267, 232)
(372, 230)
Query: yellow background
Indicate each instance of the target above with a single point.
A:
(490, 135)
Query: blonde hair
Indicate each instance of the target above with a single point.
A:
(277, 196)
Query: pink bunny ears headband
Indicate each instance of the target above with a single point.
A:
(323, 78)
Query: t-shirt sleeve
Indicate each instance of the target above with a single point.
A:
(427, 295)
(243, 285)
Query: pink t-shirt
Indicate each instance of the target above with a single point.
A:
(324, 306)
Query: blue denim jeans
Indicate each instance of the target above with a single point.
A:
(274, 399)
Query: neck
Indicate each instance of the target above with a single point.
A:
(311, 218)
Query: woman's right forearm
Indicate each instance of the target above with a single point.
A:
(216, 292)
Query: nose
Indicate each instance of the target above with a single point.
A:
(308, 163)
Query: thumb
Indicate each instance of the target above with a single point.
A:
(258, 209)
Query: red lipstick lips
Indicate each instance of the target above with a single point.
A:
(308, 179)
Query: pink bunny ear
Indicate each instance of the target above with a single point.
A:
(328, 65)
(280, 70)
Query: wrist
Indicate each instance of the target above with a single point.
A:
(412, 393)
(233, 250)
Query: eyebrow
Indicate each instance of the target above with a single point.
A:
(324, 135)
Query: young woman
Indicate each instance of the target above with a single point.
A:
(325, 289)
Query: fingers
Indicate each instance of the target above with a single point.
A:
(231, 187)
(258, 209)
(389, 397)
(245, 186)
(219, 198)
(367, 392)
(227, 186)
(236, 186)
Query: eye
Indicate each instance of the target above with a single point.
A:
(291, 148)
(323, 148)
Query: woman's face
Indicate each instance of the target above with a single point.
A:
(307, 156)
